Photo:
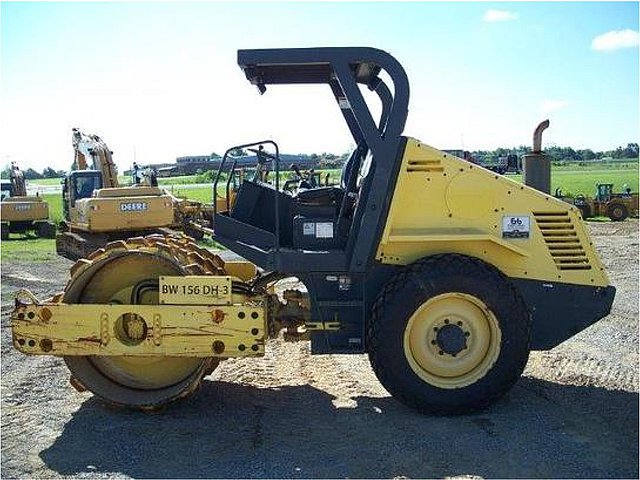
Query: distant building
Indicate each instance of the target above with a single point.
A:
(191, 164)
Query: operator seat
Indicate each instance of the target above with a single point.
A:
(320, 196)
(329, 208)
(333, 195)
(255, 206)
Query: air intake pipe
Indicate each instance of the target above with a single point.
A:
(536, 165)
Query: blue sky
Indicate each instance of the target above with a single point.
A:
(161, 80)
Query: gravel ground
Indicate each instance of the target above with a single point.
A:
(573, 414)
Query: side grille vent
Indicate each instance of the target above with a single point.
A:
(560, 235)
(426, 166)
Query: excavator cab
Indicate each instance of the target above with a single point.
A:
(79, 184)
(604, 191)
(6, 189)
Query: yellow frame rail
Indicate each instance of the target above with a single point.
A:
(139, 330)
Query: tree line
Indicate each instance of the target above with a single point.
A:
(565, 154)
(327, 160)
(31, 174)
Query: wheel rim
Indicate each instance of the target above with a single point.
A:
(126, 379)
(452, 340)
(617, 212)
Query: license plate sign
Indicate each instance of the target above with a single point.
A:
(195, 290)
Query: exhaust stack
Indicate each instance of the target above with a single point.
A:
(536, 165)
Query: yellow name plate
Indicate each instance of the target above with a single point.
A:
(195, 290)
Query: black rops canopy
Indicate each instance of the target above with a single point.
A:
(342, 68)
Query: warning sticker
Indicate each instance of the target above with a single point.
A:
(515, 226)
(344, 103)
(324, 230)
(308, 228)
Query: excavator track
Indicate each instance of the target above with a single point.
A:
(76, 245)
(73, 246)
(121, 272)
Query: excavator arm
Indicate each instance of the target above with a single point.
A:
(18, 184)
(91, 146)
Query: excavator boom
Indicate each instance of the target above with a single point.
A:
(93, 147)
(17, 182)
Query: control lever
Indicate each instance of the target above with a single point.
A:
(304, 180)
(263, 157)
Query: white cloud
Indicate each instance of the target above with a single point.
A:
(499, 16)
(615, 40)
(549, 106)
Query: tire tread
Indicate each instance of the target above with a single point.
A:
(442, 264)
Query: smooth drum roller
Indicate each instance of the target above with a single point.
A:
(127, 273)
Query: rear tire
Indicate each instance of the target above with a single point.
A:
(5, 231)
(617, 212)
(449, 335)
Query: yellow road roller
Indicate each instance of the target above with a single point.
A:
(444, 273)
